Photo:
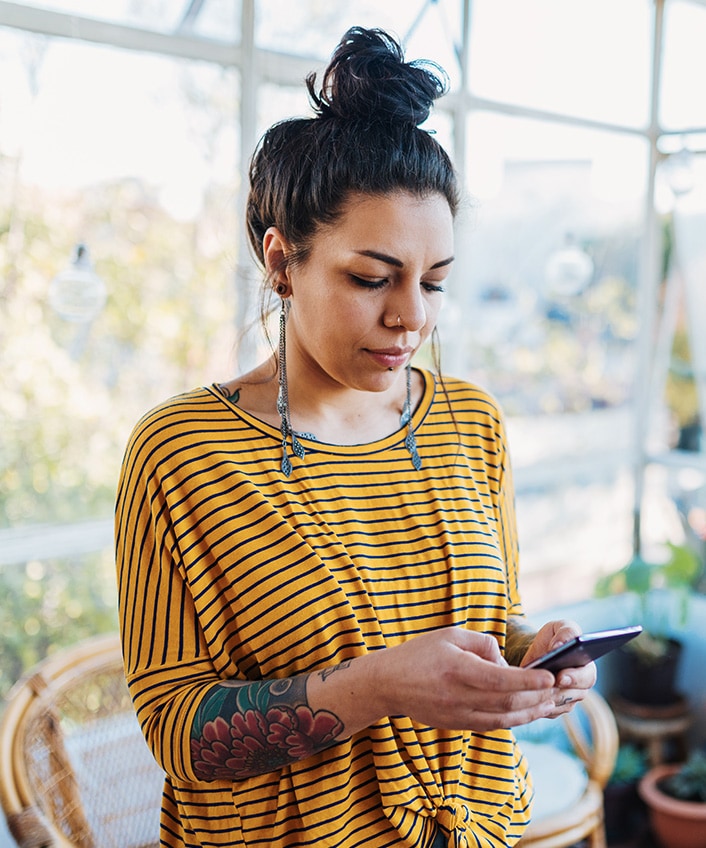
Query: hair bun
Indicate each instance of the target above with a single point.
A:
(368, 80)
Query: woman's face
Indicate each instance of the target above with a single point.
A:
(369, 293)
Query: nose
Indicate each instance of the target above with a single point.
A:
(407, 309)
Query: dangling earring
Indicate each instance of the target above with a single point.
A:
(406, 418)
(283, 395)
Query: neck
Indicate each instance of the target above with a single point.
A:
(346, 416)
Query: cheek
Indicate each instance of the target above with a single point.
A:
(358, 313)
(353, 316)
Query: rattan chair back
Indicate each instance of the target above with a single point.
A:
(75, 771)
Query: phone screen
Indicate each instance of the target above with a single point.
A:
(585, 648)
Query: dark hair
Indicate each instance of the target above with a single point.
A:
(364, 138)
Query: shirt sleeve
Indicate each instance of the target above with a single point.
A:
(167, 664)
(507, 522)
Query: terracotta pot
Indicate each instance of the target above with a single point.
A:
(675, 823)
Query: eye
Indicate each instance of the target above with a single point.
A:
(369, 284)
(432, 287)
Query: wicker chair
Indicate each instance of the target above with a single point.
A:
(569, 789)
(75, 771)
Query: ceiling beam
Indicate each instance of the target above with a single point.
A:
(278, 68)
(62, 25)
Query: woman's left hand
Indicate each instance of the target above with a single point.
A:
(571, 683)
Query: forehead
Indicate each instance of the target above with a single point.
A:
(400, 220)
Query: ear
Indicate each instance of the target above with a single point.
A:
(275, 249)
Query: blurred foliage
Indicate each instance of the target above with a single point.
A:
(50, 604)
(662, 591)
(70, 392)
(566, 355)
(689, 782)
(681, 395)
(631, 763)
(680, 391)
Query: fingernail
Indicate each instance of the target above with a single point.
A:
(566, 680)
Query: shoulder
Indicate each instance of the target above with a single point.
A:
(470, 415)
(468, 400)
(175, 411)
(174, 422)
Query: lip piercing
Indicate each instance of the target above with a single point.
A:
(399, 321)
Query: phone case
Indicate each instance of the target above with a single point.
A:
(585, 648)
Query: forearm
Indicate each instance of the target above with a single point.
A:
(247, 728)
(519, 637)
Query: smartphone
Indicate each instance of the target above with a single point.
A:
(585, 648)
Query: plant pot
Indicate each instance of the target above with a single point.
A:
(624, 812)
(675, 823)
(651, 681)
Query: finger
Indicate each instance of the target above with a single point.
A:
(565, 701)
(486, 677)
(580, 678)
(573, 694)
(566, 631)
(487, 720)
(481, 644)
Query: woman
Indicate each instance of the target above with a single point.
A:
(317, 560)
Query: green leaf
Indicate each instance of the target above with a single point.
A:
(683, 567)
(638, 575)
(610, 584)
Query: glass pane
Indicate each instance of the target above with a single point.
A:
(218, 19)
(542, 312)
(579, 57)
(550, 247)
(135, 157)
(684, 65)
(51, 603)
(680, 354)
(679, 382)
(215, 18)
(313, 28)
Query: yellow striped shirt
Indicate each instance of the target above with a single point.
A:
(227, 569)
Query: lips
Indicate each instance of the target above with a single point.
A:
(391, 357)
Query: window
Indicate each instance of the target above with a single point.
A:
(121, 130)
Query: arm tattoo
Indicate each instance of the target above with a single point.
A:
(327, 672)
(519, 637)
(242, 728)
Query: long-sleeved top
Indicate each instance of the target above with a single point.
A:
(229, 570)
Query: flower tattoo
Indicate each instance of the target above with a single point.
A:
(269, 726)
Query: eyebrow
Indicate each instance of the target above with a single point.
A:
(398, 263)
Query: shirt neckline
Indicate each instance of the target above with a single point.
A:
(392, 439)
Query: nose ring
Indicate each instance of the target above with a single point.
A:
(399, 321)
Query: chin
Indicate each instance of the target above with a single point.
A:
(382, 381)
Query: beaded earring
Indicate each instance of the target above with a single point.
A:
(406, 418)
(288, 433)
(283, 395)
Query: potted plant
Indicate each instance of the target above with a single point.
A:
(624, 811)
(676, 798)
(649, 663)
